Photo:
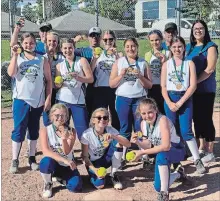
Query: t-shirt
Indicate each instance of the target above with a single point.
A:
(85, 52)
(40, 48)
(96, 148)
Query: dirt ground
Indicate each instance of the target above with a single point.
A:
(138, 183)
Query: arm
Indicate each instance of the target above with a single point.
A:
(121, 140)
(93, 63)
(68, 140)
(115, 79)
(13, 66)
(17, 29)
(211, 65)
(48, 79)
(146, 79)
(192, 86)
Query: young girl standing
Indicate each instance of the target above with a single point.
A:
(75, 72)
(160, 138)
(31, 77)
(156, 57)
(178, 82)
(102, 147)
(57, 142)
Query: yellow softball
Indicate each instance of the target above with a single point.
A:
(130, 156)
(98, 51)
(58, 80)
(102, 172)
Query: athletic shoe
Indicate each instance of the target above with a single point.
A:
(14, 166)
(181, 171)
(202, 153)
(162, 196)
(32, 163)
(47, 192)
(116, 182)
(199, 166)
(58, 179)
(209, 157)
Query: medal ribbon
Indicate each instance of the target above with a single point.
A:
(70, 69)
(131, 65)
(181, 70)
(100, 140)
(150, 131)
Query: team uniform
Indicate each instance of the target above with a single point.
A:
(72, 94)
(174, 155)
(99, 155)
(58, 169)
(104, 95)
(128, 94)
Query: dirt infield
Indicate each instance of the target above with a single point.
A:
(138, 183)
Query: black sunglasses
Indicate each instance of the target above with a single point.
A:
(106, 39)
(104, 118)
(94, 35)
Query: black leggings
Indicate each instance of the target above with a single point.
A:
(203, 104)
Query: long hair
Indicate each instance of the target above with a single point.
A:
(111, 33)
(59, 106)
(58, 39)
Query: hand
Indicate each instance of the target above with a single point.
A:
(47, 104)
(173, 107)
(78, 38)
(71, 164)
(123, 71)
(179, 104)
(74, 75)
(15, 50)
(162, 58)
(72, 133)
(138, 155)
(137, 73)
(134, 138)
(19, 24)
(107, 136)
(64, 132)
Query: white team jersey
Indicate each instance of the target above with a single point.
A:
(155, 137)
(71, 91)
(55, 143)
(103, 69)
(155, 67)
(130, 86)
(173, 83)
(28, 83)
(96, 148)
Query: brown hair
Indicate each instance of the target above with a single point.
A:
(134, 40)
(101, 109)
(27, 35)
(111, 33)
(147, 101)
(58, 39)
(59, 106)
(67, 40)
(178, 39)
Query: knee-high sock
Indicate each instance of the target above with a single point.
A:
(32, 144)
(164, 177)
(116, 161)
(173, 177)
(193, 148)
(16, 148)
(124, 152)
(46, 177)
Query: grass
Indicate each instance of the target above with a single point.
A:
(143, 47)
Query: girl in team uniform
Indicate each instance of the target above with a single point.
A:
(75, 72)
(178, 82)
(131, 76)
(102, 148)
(57, 142)
(155, 58)
(102, 66)
(160, 138)
(54, 57)
(31, 77)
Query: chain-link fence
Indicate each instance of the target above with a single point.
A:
(126, 17)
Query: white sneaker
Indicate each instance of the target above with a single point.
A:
(47, 192)
(209, 157)
(32, 163)
(202, 153)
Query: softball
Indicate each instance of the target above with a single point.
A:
(130, 156)
(97, 51)
(58, 80)
(102, 172)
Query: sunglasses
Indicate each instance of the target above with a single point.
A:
(108, 39)
(105, 118)
(60, 116)
(94, 35)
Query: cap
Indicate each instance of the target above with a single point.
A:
(45, 26)
(95, 30)
(170, 25)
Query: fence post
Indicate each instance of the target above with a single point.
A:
(11, 20)
(97, 12)
(178, 2)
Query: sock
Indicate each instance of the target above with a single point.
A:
(116, 161)
(46, 177)
(16, 148)
(32, 144)
(193, 148)
(164, 177)
(173, 177)
(124, 152)
(145, 157)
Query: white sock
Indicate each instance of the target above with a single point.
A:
(173, 177)
(193, 148)
(46, 177)
(124, 152)
(16, 147)
(32, 144)
(116, 161)
(164, 177)
(145, 157)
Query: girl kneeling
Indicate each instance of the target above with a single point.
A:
(102, 147)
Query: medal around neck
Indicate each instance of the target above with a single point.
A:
(105, 144)
(130, 156)
(102, 172)
(19, 50)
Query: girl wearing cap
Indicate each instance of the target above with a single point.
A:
(156, 57)
(102, 66)
(203, 53)
(31, 81)
(178, 83)
(54, 56)
(102, 148)
(75, 72)
(131, 77)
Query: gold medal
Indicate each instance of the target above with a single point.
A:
(19, 50)
(140, 134)
(178, 86)
(105, 144)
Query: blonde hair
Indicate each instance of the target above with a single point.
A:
(101, 109)
(147, 101)
(59, 106)
(111, 33)
(53, 33)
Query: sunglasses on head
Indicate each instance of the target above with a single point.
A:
(108, 39)
(94, 35)
(104, 118)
